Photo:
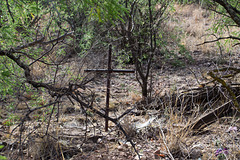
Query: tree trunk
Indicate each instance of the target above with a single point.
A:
(144, 89)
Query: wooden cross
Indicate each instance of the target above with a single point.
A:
(109, 71)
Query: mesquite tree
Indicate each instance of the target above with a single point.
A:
(34, 41)
(139, 35)
(230, 19)
(229, 10)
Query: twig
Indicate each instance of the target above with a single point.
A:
(103, 115)
(8, 7)
(194, 75)
(29, 112)
(41, 41)
(38, 59)
(229, 37)
(164, 141)
(219, 13)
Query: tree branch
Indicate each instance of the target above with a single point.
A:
(41, 41)
(8, 7)
(233, 12)
(114, 120)
(229, 37)
(55, 91)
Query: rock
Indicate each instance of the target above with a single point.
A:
(143, 157)
(196, 151)
(120, 148)
(72, 124)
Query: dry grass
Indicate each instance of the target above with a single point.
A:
(175, 140)
(205, 144)
(45, 148)
(193, 23)
(189, 144)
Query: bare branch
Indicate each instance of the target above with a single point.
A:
(41, 41)
(233, 12)
(42, 55)
(29, 112)
(60, 38)
(30, 44)
(220, 38)
(8, 7)
(54, 90)
(219, 13)
(236, 44)
(115, 121)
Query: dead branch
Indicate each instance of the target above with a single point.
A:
(28, 113)
(219, 80)
(41, 41)
(9, 10)
(233, 12)
(103, 115)
(30, 44)
(218, 39)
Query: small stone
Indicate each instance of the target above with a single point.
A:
(125, 145)
(120, 148)
(143, 157)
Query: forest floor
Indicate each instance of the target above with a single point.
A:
(155, 132)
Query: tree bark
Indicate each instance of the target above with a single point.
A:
(233, 12)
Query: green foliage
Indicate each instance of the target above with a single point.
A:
(12, 119)
(89, 113)
(16, 21)
(11, 106)
(184, 52)
(224, 25)
(171, 47)
(177, 57)
(9, 77)
(1, 146)
(106, 10)
(3, 157)
(85, 42)
(202, 2)
(123, 57)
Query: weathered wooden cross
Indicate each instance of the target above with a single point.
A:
(109, 71)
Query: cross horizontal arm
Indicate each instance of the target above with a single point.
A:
(112, 70)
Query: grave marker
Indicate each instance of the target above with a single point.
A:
(109, 70)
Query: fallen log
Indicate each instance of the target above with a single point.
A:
(211, 117)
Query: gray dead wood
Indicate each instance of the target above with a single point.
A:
(212, 116)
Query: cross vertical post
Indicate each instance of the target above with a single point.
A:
(108, 85)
